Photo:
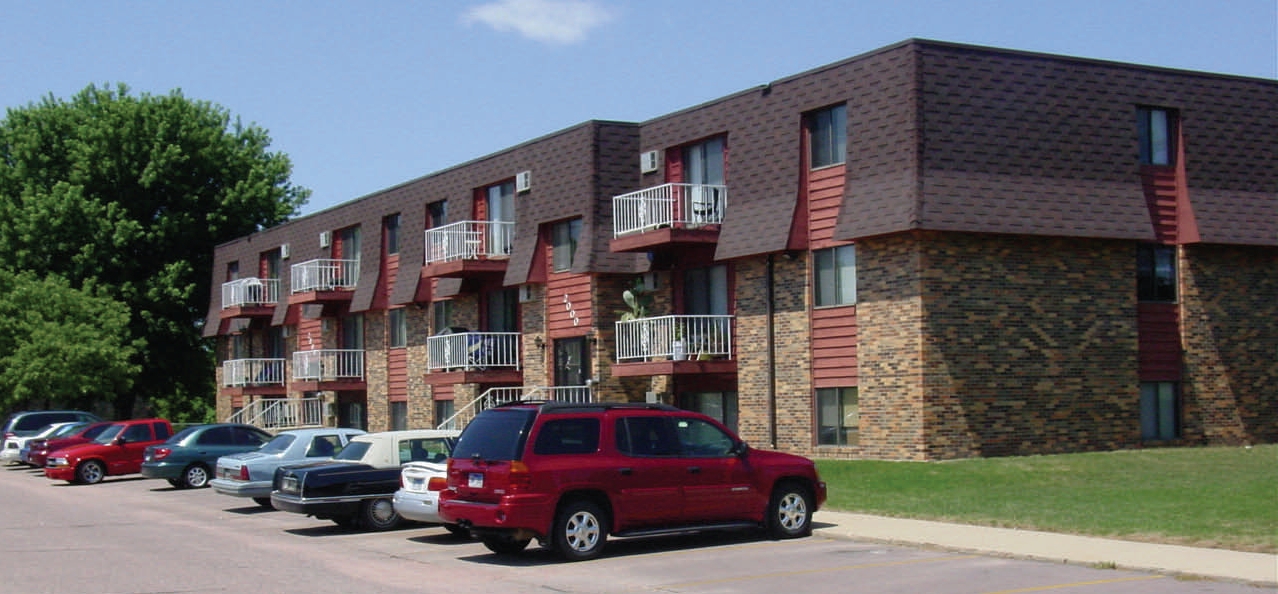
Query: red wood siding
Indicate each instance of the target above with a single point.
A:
(834, 333)
(568, 305)
(397, 375)
(310, 334)
(825, 197)
(1158, 326)
(442, 392)
(1161, 198)
(386, 280)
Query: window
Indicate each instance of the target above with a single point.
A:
(1155, 126)
(391, 226)
(699, 439)
(216, 436)
(835, 270)
(275, 343)
(646, 436)
(1156, 273)
(1159, 410)
(397, 323)
(424, 449)
(828, 136)
(568, 436)
(444, 412)
(838, 416)
(564, 238)
(500, 200)
(437, 214)
(721, 406)
(352, 332)
(398, 416)
(322, 446)
(705, 291)
(503, 310)
(137, 433)
(442, 315)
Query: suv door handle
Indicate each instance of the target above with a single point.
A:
(626, 471)
(694, 470)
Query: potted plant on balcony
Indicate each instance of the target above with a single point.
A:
(637, 299)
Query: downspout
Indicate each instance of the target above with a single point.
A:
(772, 352)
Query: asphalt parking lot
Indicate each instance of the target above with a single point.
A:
(135, 535)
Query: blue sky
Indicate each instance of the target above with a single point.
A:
(367, 95)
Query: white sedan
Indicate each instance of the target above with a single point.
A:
(12, 452)
(418, 496)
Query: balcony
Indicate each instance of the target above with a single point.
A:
(468, 249)
(668, 216)
(497, 396)
(253, 376)
(669, 345)
(250, 297)
(329, 369)
(472, 357)
(324, 280)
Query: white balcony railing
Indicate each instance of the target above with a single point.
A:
(469, 240)
(473, 351)
(250, 292)
(252, 372)
(328, 365)
(674, 338)
(325, 275)
(668, 205)
(497, 396)
(281, 413)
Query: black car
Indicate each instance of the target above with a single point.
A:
(355, 489)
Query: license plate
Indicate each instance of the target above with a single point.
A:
(475, 480)
(416, 484)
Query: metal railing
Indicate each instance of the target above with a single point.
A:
(469, 240)
(473, 350)
(325, 275)
(250, 291)
(496, 396)
(674, 338)
(328, 365)
(281, 413)
(668, 205)
(252, 372)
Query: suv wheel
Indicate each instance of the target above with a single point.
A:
(579, 532)
(505, 545)
(790, 511)
(378, 515)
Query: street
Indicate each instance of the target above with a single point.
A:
(133, 535)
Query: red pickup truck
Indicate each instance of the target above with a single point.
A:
(116, 451)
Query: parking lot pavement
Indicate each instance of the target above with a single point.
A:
(1257, 568)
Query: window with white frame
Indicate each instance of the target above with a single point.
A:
(827, 136)
(565, 235)
(441, 315)
(1159, 410)
(398, 416)
(1155, 128)
(834, 270)
(838, 416)
(397, 327)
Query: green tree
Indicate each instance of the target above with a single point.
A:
(132, 193)
(61, 346)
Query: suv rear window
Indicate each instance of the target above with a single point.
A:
(496, 434)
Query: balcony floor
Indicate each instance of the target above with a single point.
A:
(475, 376)
(665, 237)
(651, 368)
(465, 268)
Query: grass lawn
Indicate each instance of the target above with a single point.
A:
(1213, 497)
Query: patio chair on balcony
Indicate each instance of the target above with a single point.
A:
(480, 352)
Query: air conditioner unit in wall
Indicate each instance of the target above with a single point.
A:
(325, 238)
(525, 293)
(523, 181)
(284, 251)
(648, 161)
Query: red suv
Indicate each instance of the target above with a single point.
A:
(569, 475)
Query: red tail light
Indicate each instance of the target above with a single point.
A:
(518, 478)
(244, 476)
(437, 483)
(160, 453)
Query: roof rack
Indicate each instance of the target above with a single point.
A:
(561, 407)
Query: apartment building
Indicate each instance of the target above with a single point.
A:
(928, 251)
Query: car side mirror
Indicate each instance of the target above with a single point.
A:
(740, 449)
(120, 440)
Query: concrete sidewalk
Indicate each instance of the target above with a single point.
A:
(1258, 568)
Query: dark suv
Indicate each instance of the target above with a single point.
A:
(569, 475)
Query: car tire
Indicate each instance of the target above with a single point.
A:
(505, 545)
(790, 511)
(379, 514)
(195, 476)
(580, 530)
(177, 483)
(90, 472)
(346, 522)
(457, 531)
(263, 501)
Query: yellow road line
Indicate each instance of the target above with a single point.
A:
(1076, 584)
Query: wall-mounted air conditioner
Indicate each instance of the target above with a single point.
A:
(325, 238)
(284, 251)
(523, 181)
(525, 293)
(648, 161)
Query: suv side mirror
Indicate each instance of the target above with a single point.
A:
(740, 449)
(120, 440)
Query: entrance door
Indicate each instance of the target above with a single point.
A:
(572, 361)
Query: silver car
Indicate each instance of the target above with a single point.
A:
(249, 474)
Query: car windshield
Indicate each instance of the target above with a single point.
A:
(110, 433)
(353, 451)
(181, 436)
(495, 435)
(67, 429)
(278, 444)
(96, 430)
(47, 431)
